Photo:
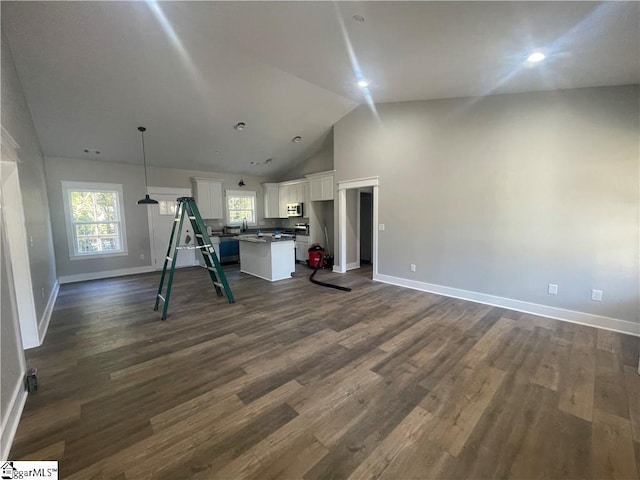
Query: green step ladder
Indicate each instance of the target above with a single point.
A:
(186, 207)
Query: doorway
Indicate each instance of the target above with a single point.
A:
(366, 225)
(161, 219)
(349, 235)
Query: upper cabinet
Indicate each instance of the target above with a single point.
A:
(208, 195)
(277, 195)
(297, 191)
(271, 200)
(321, 186)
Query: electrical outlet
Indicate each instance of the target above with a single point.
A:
(596, 295)
(553, 289)
(142, 256)
(381, 226)
(413, 267)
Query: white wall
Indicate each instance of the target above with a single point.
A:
(16, 119)
(505, 194)
(320, 161)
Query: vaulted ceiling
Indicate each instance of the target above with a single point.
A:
(92, 72)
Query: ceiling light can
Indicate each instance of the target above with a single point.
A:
(297, 139)
(240, 126)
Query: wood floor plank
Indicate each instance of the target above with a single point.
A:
(610, 393)
(578, 382)
(548, 372)
(299, 381)
(632, 382)
(613, 450)
(403, 436)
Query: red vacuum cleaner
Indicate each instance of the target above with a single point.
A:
(318, 260)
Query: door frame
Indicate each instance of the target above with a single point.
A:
(179, 192)
(343, 186)
(13, 224)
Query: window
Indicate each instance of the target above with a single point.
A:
(95, 220)
(166, 207)
(241, 206)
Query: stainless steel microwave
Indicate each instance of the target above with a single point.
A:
(294, 210)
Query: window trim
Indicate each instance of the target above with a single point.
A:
(241, 193)
(67, 187)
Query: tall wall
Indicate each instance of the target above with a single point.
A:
(321, 161)
(505, 194)
(131, 177)
(16, 119)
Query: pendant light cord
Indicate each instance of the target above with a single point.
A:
(144, 159)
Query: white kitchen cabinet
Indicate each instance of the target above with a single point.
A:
(277, 195)
(208, 195)
(321, 186)
(271, 200)
(302, 248)
(298, 192)
(283, 199)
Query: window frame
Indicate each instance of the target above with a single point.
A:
(241, 193)
(73, 186)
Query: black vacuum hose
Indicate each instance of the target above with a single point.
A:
(323, 284)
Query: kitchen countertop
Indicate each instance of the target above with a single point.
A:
(264, 238)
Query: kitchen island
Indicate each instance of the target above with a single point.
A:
(267, 257)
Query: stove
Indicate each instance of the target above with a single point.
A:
(301, 228)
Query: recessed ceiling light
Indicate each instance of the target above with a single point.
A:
(358, 18)
(254, 163)
(363, 84)
(297, 139)
(268, 161)
(240, 126)
(535, 57)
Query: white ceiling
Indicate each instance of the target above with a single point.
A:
(188, 71)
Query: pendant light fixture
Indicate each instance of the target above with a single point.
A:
(146, 200)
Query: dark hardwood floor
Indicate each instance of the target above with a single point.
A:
(300, 381)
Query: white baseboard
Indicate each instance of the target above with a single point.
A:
(106, 274)
(43, 324)
(11, 417)
(607, 323)
(353, 266)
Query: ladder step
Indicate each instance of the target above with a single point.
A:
(161, 298)
(218, 284)
(170, 259)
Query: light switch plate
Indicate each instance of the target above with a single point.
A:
(553, 289)
(381, 226)
(596, 295)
